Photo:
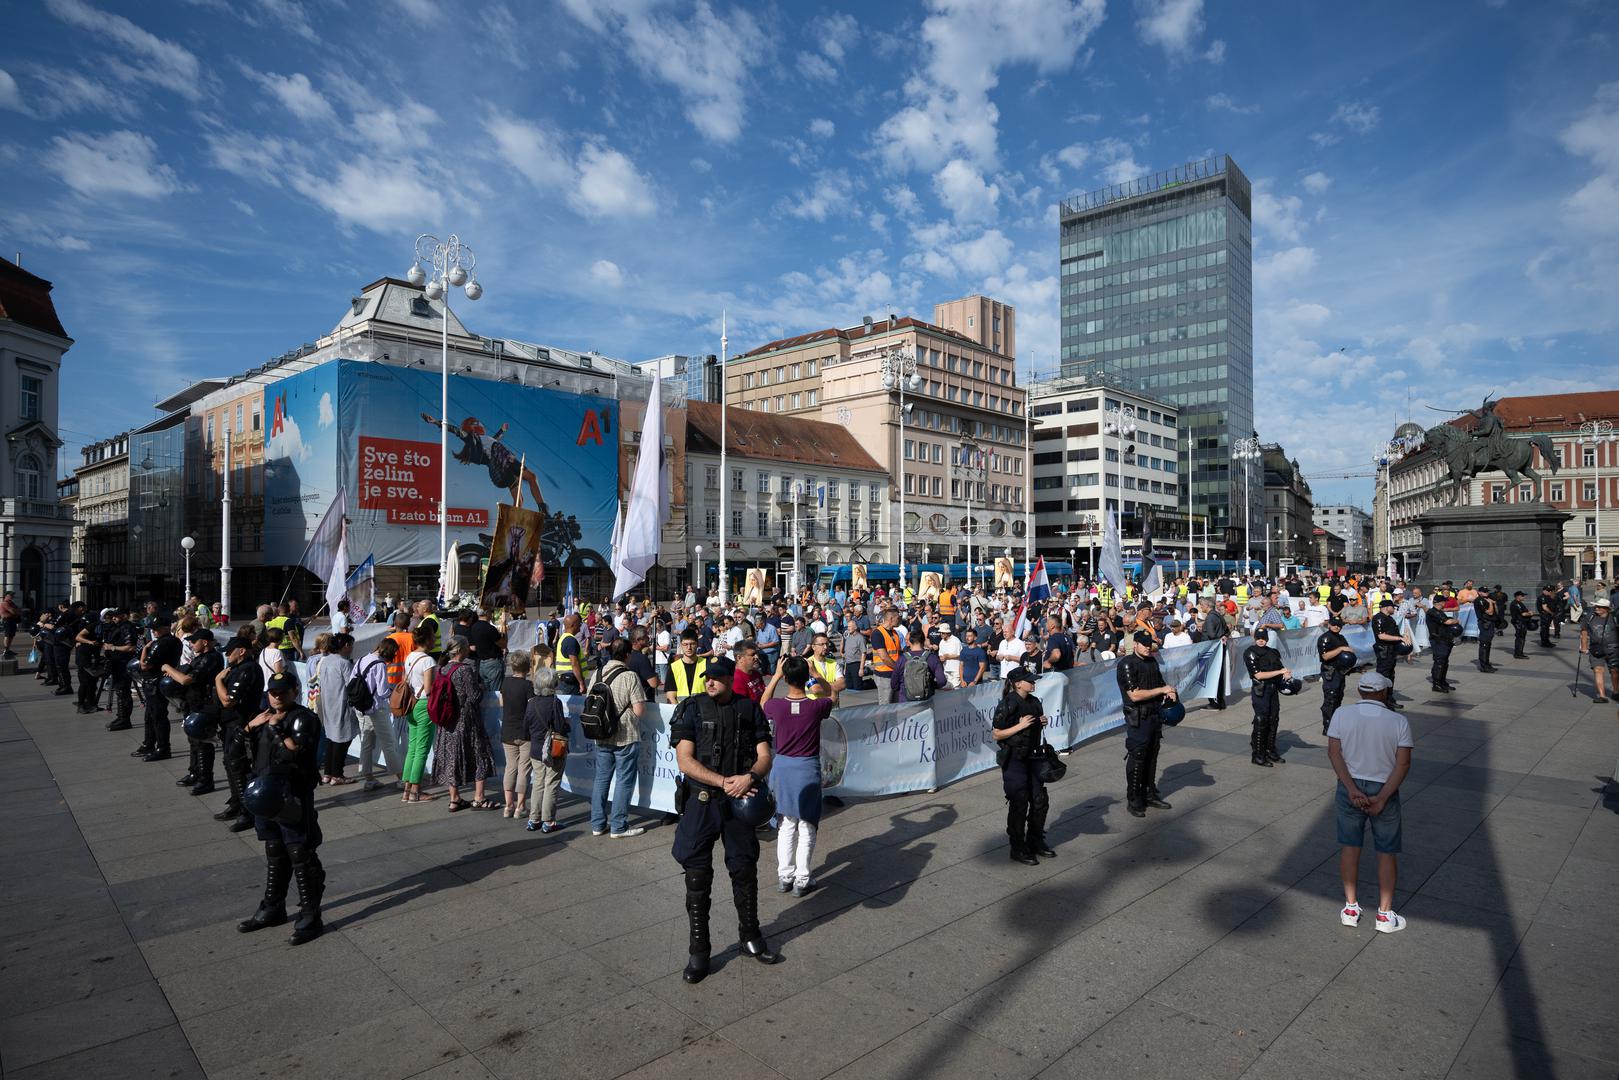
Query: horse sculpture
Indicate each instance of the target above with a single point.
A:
(1466, 457)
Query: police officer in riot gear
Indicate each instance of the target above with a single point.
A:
(198, 679)
(1018, 723)
(1485, 611)
(722, 746)
(1518, 612)
(118, 645)
(161, 652)
(1266, 671)
(88, 657)
(283, 738)
(1443, 630)
(1386, 642)
(1329, 647)
(237, 689)
(1141, 685)
(68, 625)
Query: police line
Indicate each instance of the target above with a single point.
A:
(870, 750)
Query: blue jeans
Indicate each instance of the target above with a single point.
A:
(615, 765)
(491, 672)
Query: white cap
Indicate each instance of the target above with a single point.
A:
(1372, 682)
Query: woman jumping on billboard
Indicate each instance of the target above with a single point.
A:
(506, 470)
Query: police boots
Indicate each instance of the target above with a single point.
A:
(1035, 839)
(699, 884)
(1149, 776)
(1256, 743)
(277, 876)
(1017, 818)
(193, 766)
(1135, 796)
(311, 878)
(745, 893)
(123, 706)
(204, 769)
(233, 805)
(1270, 740)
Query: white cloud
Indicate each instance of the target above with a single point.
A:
(328, 415)
(607, 273)
(118, 163)
(1317, 182)
(246, 208)
(830, 194)
(503, 36)
(1122, 166)
(1324, 139)
(1226, 103)
(966, 43)
(1035, 298)
(705, 59)
(1595, 135)
(420, 10)
(1277, 271)
(288, 443)
(1215, 53)
(822, 128)
(903, 200)
(297, 95)
(151, 59)
(70, 92)
(10, 98)
(378, 195)
(609, 185)
(289, 14)
(963, 191)
(1435, 351)
(829, 35)
(1174, 26)
(1278, 217)
(531, 150)
(1358, 116)
(396, 129)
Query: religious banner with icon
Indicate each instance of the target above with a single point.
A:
(756, 586)
(857, 577)
(929, 586)
(1003, 572)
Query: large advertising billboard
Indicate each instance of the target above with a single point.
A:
(373, 429)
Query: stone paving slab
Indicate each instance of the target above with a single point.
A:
(1201, 942)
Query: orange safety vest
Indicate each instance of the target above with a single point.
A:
(406, 643)
(891, 644)
(947, 601)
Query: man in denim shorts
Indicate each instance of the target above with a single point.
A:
(1369, 745)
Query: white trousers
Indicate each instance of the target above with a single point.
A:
(377, 729)
(795, 844)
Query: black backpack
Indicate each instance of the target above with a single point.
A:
(917, 678)
(598, 720)
(357, 694)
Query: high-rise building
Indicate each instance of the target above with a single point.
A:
(697, 376)
(1157, 292)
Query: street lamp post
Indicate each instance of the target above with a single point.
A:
(700, 578)
(1391, 452)
(1598, 432)
(899, 371)
(1120, 421)
(186, 544)
(440, 266)
(1246, 452)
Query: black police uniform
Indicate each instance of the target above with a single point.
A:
(162, 650)
(1548, 617)
(1518, 612)
(45, 642)
(290, 850)
(87, 657)
(244, 682)
(1484, 612)
(725, 738)
(1332, 680)
(68, 626)
(1442, 633)
(200, 697)
(1267, 701)
(1026, 800)
(115, 643)
(1143, 732)
(1385, 653)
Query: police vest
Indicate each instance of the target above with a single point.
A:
(891, 645)
(688, 678)
(726, 736)
(563, 667)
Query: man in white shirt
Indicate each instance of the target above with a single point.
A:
(950, 654)
(1009, 650)
(1369, 746)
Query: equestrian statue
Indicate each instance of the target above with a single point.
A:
(1488, 448)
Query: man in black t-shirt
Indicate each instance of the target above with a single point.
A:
(1059, 647)
(487, 645)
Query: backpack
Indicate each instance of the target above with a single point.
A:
(358, 694)
(598, 721)
(442, 707)
(917, 677)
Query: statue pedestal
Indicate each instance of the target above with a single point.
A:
(1516, 545)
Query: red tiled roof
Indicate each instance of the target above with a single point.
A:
(788, 439)
(854, 333)
(26, 299)
(1551, 412)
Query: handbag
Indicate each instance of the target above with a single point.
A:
(556, 748)
(1049, 766)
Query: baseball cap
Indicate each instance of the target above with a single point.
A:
(281, 683)
(722, 668)
(1020, 674)
(1372, 682)
(1335, 620)
(1385, 602)
(1141, 637)
(200, 635)
(238, 643)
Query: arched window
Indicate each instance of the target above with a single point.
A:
(30, 476)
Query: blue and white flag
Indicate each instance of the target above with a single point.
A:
(361, 587)
(568, 605)
(1111, 567)
(1152, 575)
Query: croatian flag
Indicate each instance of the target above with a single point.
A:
(1039, 584)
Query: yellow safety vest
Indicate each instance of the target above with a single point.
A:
(1105, 594)
(687, 683)
(1242, 594)
(825, 673)
(1323, 591)
(562, 661)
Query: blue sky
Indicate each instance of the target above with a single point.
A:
(207, 182)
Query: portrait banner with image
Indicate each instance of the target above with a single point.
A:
(514, 558)
(857, 577)
(756, 586)
(1003, 572)
(928, 588)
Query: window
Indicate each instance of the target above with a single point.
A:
(910, 448)
(747, 380)
(1590, 528)
(938, 456)
(1588, 456)
(1589, 492)
(30, 475)
(1526, 492)
(813, 395)
(736, 479)
(711, 477)
(938, 487)
(813, 368)
(33, 390)
(798, 401)
(792, 371)
(1498, 493)
(909, 477)
(875, 495)
(764, 524)
(1557, 491)
(736, 523)
(711, 519)
(780, 403)
(763, 482)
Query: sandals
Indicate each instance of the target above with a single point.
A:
(457, 805)
(482, 804)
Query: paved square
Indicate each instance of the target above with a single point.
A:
(1200, 942)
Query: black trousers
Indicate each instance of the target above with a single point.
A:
(704, 822)
(89, 688)
(1441, 661)
(1486, 638)
(62, 662)
(1387, 661)
(156, 716)
(1546, 630)
(1332, 695)
(1027, 804)
(1519, 633)
(1143, 735)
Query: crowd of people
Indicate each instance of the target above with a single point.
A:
(751, 686)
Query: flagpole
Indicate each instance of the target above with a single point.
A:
(1028, 475)
(725, 473)
(224, 534)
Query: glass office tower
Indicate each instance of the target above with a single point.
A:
(1157, 294)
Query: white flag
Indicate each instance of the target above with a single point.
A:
(636, 551)
(338, 571)
(1111, 567)
(321, 552)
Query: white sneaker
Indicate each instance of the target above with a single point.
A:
(637, 831)
(598, 832)
(1350, 915)
(1389, 923)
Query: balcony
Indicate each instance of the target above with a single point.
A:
(35, 508)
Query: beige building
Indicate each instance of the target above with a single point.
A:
(964, 393)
